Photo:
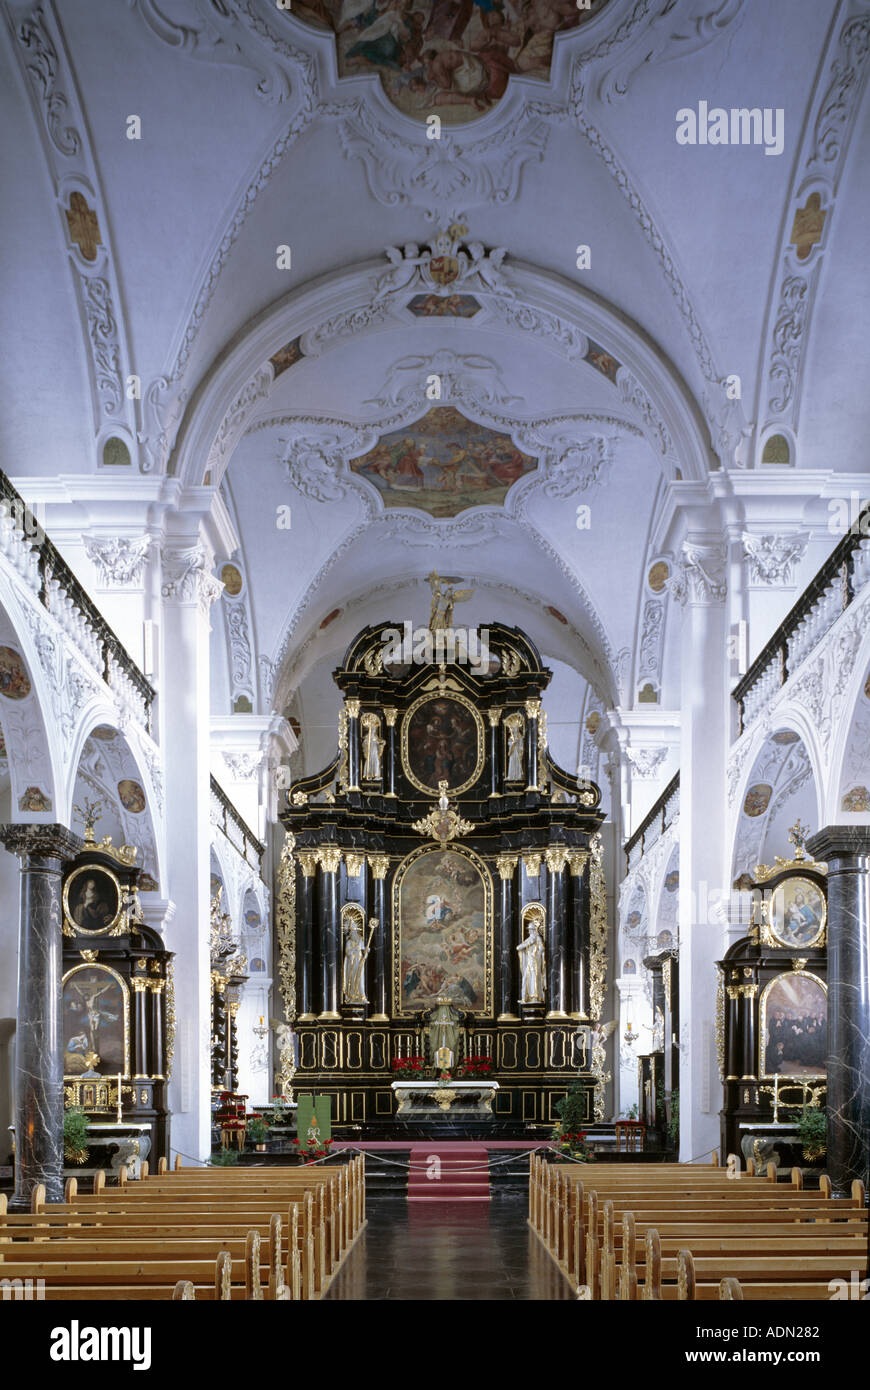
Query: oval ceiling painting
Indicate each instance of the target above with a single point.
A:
(14, 680)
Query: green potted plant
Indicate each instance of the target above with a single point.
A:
(812, 1126)
(75, 1135)
(224, 1158)
(568, 1134)
(258, 1132)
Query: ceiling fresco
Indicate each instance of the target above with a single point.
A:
(443, 464)
(450, 58)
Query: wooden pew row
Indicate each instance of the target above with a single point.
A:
(112, 1229)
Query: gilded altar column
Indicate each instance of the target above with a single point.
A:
(352, 706)
(557, 953)
(494, 716)
(305, 936)
(533, 710)
(390, 715)
(750, 1038)
(42, 850)
(379, 864)
(507, 865)
(846, 851)
(578, 1006)
(329, 858)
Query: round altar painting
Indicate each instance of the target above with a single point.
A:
(14, 680)
(442, 741)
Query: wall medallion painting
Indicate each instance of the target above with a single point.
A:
(95, 1022)
(14, 680)
(794, 1026)
(92, 900)
(442, 464)
(442, 741)
(452, 57)
(797, 913)
(442, 915)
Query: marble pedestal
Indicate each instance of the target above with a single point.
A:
(846, 851)
(467, 1100)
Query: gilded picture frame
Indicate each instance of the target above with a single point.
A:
(795, 995)
(89, 1008)
(442, 931)
(795, 915)
(410, 756)
(99, 916)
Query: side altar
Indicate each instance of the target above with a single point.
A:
(442, 858)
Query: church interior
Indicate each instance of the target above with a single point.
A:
(434, 656)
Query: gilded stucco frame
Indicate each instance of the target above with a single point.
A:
(480, 865)
(478, 723)
(768, 934)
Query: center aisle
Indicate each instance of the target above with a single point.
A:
(448, 1251)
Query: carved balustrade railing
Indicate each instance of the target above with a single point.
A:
(654, 824)
(841, 578)
(43, 569)
(236, 829)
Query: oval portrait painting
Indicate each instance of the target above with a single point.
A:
(132, 795)
(797, 912)
(92, 900)
(441, 742)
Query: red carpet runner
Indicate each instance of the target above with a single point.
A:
(449, 1172)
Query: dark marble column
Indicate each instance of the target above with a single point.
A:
(733, 1064)
(390, 715)
(380, 865)
(533, 709)
(352, 707)
(846, 851)
(578, 1003)
(305, 936)
(654, 965)
(507, 963)
(43, 850)
(750, 1036)
(329, 858)
(157, 1058)
(557, 953)
(494, 760)
(219, 1029)
(140, 1028)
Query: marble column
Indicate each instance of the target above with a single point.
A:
(748, 995)
(846, 851)
(533, 709)
(379, 864)
(305, 936)
(507, 965)
(352, 706)
(390, 715)
(494, 761)
(557, 954)
(140, 1029)
(578, 1003)
(329, 858)
(43, 850)
(156, 1059)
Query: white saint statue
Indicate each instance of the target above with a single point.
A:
(373, 747)
(515, 750)
(532, 964)
(355, 954)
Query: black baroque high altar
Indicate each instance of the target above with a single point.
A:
(440, 839)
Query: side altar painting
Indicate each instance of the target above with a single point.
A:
(442, 946)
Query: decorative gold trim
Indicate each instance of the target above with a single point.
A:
(406, 722)
(506, 865)
(329, 858)
(533, 708)
(398, 1011)
(308, 862)
(90, 965)
(768, 934)
(342, 775)
(391, 714)
(90, 870)
(532, 863)
(494, 715)
(763, 1031)
(556, 857)
(352, 705)
(720, 1022)
(577, 861)
(285, 923)
(353, 863)
(140, 986)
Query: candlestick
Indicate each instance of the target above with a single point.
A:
(120, 1116)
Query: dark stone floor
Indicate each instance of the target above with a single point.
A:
(448, 1251)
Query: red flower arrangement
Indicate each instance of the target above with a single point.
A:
(404, 1064)
(479, 1065)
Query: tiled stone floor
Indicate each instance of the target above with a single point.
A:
(448, 1251)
